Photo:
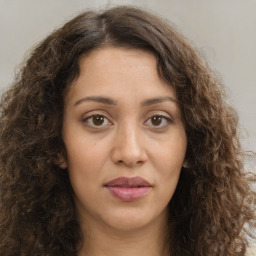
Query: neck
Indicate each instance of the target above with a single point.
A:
(151, 240)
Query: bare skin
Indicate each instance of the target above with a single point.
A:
(150, 241)
(122, 120)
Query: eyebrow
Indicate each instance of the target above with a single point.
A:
(99, 99)
(157, 100)
(109, 101)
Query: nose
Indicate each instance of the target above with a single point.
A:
(129, 147)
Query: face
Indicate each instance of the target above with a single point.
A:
(124, 138)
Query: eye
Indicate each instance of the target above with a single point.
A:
(96, 121)
(158, 121)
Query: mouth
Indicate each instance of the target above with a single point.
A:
(128, 189)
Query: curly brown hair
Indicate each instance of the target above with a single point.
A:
(213, 202)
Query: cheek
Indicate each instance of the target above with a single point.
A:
(85, 161)
(169, 169)
(85, 152)
(169, 155)
(85, 173)
(168, 158)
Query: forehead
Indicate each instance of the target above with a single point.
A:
(114, 59)
(115, 70)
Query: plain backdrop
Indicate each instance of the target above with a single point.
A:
(223, 31)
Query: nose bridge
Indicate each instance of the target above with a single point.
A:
(128, 146)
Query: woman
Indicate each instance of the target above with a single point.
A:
(116, 140)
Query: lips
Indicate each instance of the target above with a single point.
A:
(128, 189)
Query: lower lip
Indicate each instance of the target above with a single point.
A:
(129, 194)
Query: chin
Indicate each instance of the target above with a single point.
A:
(127, 224)
(131, 220)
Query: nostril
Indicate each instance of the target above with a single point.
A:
(128, 151)
(129, 163)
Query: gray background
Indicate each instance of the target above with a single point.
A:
(224, 32)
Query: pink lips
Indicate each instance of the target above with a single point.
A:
(128, 189)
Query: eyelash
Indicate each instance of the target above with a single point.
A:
(167, 120)
(88, 121)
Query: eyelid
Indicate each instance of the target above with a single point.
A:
(87, 116)
(92, 114)
(162, 113)
(96, 112)
(166, 117)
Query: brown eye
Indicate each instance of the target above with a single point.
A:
(98, 120)
(156, 120)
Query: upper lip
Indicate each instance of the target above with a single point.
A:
(128, 182)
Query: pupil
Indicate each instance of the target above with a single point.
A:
(156, 120)
(98, 120)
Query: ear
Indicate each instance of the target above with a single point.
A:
(61, 162)
(186, 164)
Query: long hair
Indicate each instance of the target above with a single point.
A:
(212, 204)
